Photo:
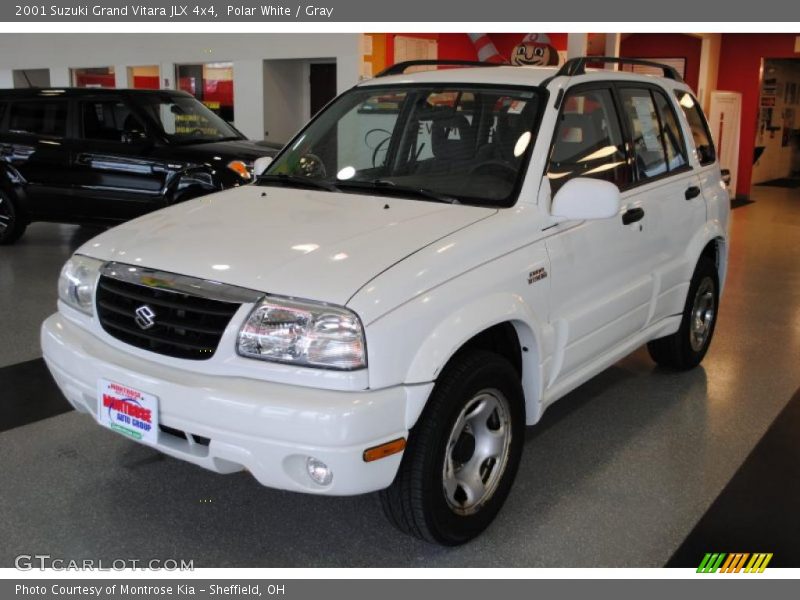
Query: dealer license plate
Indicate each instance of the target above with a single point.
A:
(128, 411)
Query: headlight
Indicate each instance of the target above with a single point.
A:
(303, 333)
(77, 282)
(241, 168)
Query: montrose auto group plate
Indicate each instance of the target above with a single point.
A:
(128, 411)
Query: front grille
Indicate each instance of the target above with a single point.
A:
(183, 325)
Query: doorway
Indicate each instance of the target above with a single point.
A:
(295, 90)
(777, 161)
(322, 82)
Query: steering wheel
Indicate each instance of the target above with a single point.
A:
(494, 165)
(312, 166)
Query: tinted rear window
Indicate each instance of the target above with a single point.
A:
(40, 118)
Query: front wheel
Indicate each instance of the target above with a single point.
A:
(462, 455)
(11, 224)
(685, 348)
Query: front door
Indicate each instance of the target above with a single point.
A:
(600, 280)
(118, 179)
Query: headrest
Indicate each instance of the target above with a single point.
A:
(452, 138)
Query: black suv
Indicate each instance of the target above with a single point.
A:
(106, 156)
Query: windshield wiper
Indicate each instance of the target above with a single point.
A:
(383, 184)
(298, 180)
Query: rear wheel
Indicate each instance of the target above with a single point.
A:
(12, 226)
(686, 347)
(462, 455)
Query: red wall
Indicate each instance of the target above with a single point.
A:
(666, 45)
(740, 71)
(457, 46)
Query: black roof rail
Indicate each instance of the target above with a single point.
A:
(577, 66)
(401, 67)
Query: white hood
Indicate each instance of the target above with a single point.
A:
(307, 244)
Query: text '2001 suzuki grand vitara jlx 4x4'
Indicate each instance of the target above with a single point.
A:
(429, 264)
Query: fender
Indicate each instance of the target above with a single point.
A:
(713, 230)
(473, 318)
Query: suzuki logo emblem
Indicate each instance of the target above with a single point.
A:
(145, 317)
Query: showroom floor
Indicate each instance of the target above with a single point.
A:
(635, 467)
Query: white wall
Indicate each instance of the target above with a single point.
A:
(59, 52)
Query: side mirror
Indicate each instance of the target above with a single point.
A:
(726, 177)
(261, 165)
(584, 198)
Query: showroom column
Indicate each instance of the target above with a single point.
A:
(121, 77)
(612, 48)
(577, 43)
(248, 97)
(6, 79)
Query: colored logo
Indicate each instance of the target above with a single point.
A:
(145, 317)
(720, 562)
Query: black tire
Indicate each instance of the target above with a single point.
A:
(416, 502)
(12, 225)
(679, 350)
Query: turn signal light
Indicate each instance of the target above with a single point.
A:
(384, 450)
(240, 169)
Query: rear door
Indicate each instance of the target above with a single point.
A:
(37, 147)
(600, 282)
(668, 190)
(118, 178)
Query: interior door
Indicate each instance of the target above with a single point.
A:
(600, 284)
(322, 84)
(118, 178)
(725, 119)
(37, 146)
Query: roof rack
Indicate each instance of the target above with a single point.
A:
(402, 67)
(577, 66)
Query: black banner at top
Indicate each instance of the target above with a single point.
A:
(399, 11)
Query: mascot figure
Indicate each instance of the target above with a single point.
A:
(534, 50)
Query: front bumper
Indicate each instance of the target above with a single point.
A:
(266, 428)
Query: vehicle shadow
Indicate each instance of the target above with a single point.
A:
(225, 521)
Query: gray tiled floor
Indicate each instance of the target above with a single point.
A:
(615, 475)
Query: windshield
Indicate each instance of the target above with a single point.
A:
(464, 144)
(184, 120)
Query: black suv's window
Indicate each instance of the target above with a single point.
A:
(109, 120)
(40, 117)
(697, 123)
(588, 140)
(184, 120)
(3, 106)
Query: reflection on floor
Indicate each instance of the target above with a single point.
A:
(617, 474)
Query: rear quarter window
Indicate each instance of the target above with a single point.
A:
(701, 135)
(41, 117)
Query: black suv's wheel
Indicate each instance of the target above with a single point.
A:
(463, 453)
(12, 226)
(685, 348)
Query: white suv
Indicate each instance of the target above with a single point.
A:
(429, 264)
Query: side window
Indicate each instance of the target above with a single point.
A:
(3, 107)
(643, 124)
(588, 141)
(109, 120)
(671, 134)
(48, 118)
(697, 123)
